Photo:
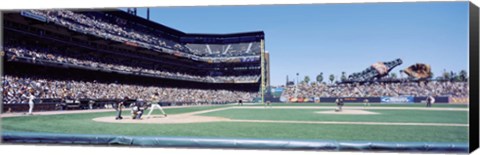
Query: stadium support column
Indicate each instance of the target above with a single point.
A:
(148, 13)
(262, 65)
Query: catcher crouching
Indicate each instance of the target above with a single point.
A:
(138, 109)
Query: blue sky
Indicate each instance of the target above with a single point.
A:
(332, 38)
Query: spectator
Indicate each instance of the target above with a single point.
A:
(100, 25)
(15, 88)
(41, 55)
(454, 89)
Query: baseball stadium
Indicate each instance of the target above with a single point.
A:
(112, 78)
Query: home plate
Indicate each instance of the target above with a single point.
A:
(347, 112)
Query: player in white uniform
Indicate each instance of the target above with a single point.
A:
(31, 97)
(339, 102)
(155, 99)
(430, 100)
(366, 103)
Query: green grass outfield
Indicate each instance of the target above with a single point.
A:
(372, 104)
(83, 124)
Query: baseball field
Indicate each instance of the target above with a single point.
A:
(378, 122)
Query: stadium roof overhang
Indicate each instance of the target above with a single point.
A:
(183, 37)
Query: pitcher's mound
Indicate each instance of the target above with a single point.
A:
(160, 119)
(348, 112)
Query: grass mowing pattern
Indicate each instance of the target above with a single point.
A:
(82, 124)
(404, 116)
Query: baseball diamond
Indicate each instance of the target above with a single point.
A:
(282, 121)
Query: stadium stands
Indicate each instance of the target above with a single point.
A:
(15, 88)
(220, 50)
(436, 88)
(96, 24)
(110, 54)
(131, 66)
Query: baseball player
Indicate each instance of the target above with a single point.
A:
(339, 102)
(31, 97)
(366, 102)
(430, 100)
(137, 109)
(155, 99)
(268, 104)
(119, 108)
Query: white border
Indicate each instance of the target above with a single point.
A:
(88, 150)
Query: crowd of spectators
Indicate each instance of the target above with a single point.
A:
(436, 88)
(16, 89)
(113, 64)
(114, 28)
(215, 50)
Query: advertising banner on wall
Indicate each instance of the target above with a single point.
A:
(350, 99)
(293, 99)
(300, 99)
(307, 100)
(458, 100)
(438, 99)
(277, 92)
(398, 99)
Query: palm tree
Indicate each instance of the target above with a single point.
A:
(320, 77)
(332, 77)
(306, 79)
(446, 75)
(343, 77)
(463, 75)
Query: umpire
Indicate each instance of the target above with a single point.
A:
(119, 108)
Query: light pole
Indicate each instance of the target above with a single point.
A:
(296, 86)
(297, 78)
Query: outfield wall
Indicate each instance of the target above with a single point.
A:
(383, 100)
(350, 99)
(83, 104)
